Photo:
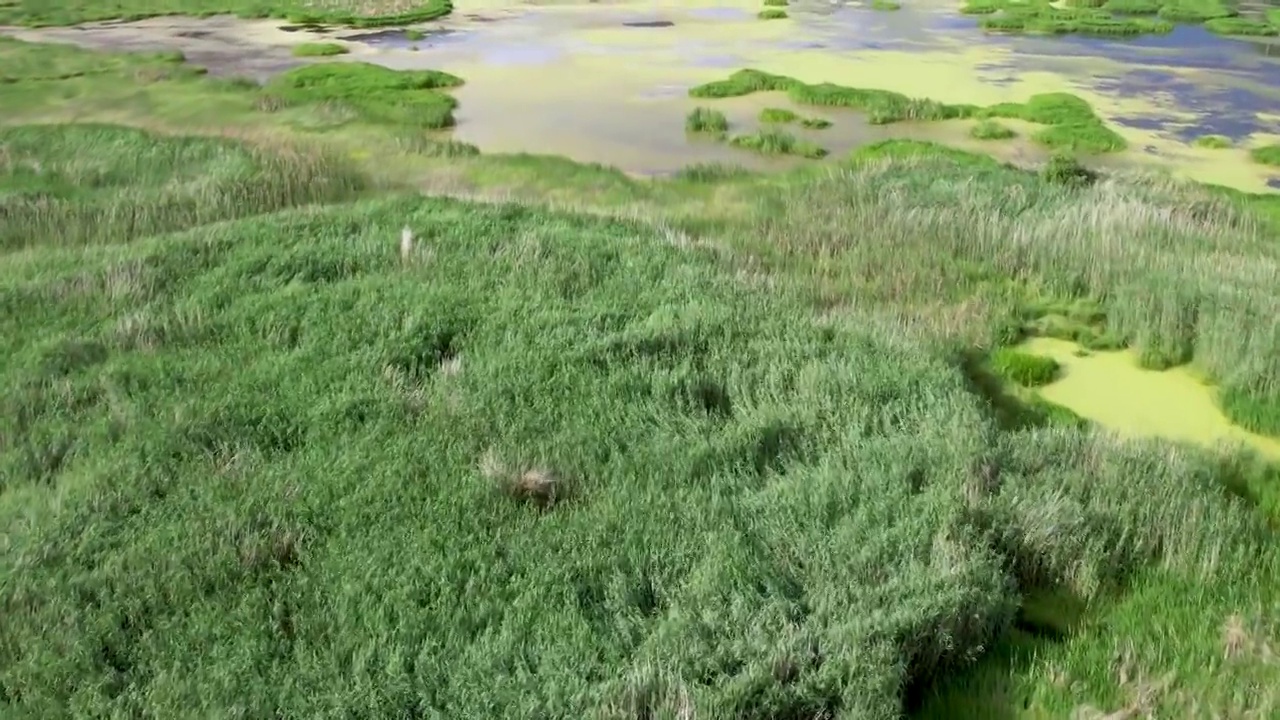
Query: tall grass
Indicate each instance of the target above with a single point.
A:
(86, 184)
(357, 13)
(1179, 273)
(318, 444)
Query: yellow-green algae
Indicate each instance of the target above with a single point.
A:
(1110, 389)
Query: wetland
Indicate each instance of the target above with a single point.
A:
(617, 360)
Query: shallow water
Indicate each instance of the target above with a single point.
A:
(1110, 389)
(607, 82)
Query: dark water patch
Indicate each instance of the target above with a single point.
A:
(1274, 183)
(320, 29)
(401, 39)
(1229, 111)
(649, 24)
(195, 34)
(1188, 46)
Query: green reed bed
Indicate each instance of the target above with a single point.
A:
(403, 443)
(778, 142)
(374, 93)
(707, 121)
(783, 116)
(89, 184)
(1070, 122)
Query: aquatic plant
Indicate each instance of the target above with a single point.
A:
(1267, 154)
(778, 142)
(706, 120)
(1071, 122)
(887, 5)
(414, 35)
(991, 130)
(1024, 369)
(771, 13)
(782, 116)
(1240, 27)
(1050, 20)
(776, 3)
(377, 94)
(1215, 142)
(319, 49)
(778, 116)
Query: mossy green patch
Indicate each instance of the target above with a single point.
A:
(1213, 142)
(772, 13)
(1243, 27)
(885, 5)
(1071, 123)
(319, 49)
(778, 142)
(1267, 154)
(414, 35)
(1132, 7)
(377, 94)
(1196, 11)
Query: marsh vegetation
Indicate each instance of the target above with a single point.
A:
(579, 445)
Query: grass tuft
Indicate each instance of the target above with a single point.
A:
(319, 49)
(1024, 369)
(772, 13)
(991, 130)
(1213, 142)
(708, 121)
(778, 142)
(1267, 155)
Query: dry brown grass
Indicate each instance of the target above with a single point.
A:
(538, 485)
